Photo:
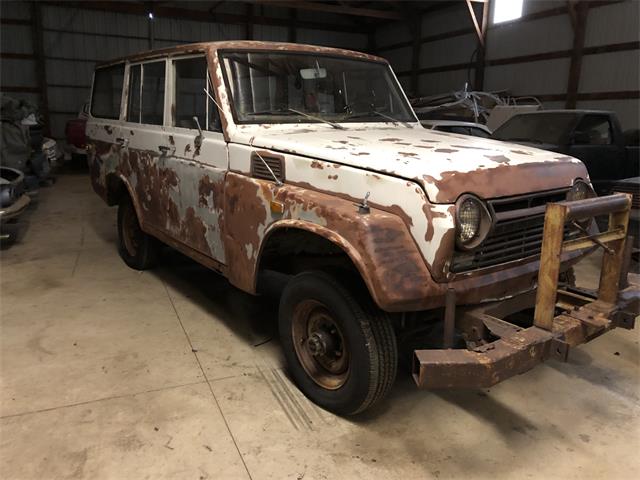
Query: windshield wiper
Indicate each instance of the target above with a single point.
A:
(313, 117)
(380, 114)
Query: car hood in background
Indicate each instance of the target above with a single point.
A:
(446, 164)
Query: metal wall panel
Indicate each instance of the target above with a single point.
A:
(613, 24)
(351, 41)
(628, 111)
(399, 58)
(447, 20)
(448, 51)
(18, 72)
(392, 33)
(442, 82)
(609, 72)
(524, 38)
(546, 77)
(16, 38)
(19, 10)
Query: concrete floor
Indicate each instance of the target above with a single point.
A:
(111, 373)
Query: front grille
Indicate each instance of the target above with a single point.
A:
(629, 188)
(512, 239)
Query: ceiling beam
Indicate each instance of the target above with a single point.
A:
(331, 8)
(200, 15)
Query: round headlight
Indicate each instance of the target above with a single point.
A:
(468, 220)
(580, 191)
(473, 222)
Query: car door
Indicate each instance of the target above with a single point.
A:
(592, 142)
(197, 152)
(176, 170)
(103, 129)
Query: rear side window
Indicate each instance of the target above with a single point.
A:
(107, 92)
(153, 93)
(146, 102)
(191, 81)
(593, 130)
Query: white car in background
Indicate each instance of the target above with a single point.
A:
(455, 126)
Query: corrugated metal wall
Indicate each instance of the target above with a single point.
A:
(74, 39)
(605, 72)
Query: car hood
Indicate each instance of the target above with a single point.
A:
(445, 164)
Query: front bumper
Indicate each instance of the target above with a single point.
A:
(15, 209)
(499, 345)
(518, 350)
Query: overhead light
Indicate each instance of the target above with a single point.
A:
(150, 15)
(506, 10)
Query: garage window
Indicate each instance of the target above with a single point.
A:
(146, 93)
(107, 92)
(193, 94)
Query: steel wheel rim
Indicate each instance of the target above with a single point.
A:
(130, 232)
(320, 344)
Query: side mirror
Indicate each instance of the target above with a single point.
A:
(197, 142)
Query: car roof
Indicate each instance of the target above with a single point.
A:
(241, 45)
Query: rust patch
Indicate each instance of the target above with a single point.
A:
(505, 179)
(108, 129)
(471, 147)
(171, 140)
(332, 177)
(498, 158)
(362, 153)
(132, 132)
(187, 148)
(521, 152)
(391, 139)
(408, 154)
(445, 150)
(317, 164)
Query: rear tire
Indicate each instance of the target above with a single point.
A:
(138, 249)
(341, 351)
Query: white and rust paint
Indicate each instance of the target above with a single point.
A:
(205, 202)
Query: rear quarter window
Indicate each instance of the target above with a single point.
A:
(107, 92)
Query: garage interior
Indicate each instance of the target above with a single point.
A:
(109, 372)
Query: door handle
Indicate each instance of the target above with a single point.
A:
(164, 149)
(123, 142)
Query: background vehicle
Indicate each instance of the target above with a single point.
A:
(593, 136)
(453, 126)
(13, 200)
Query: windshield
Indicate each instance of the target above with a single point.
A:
(269, 87)
(537, 127)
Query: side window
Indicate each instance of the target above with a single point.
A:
(153, 93)
(133, 107)
(191, 82)
(593, 130)
(107, 92)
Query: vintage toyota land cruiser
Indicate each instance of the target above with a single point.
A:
(256, 157)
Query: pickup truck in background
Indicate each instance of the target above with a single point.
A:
(593, 136)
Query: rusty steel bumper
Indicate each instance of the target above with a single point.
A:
(563, 318)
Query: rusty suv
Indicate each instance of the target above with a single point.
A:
(258, 157)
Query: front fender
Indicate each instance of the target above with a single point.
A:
(378, 243)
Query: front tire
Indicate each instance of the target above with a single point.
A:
(341, 351)
(138, 250)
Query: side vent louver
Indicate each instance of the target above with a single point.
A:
(259, 169)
